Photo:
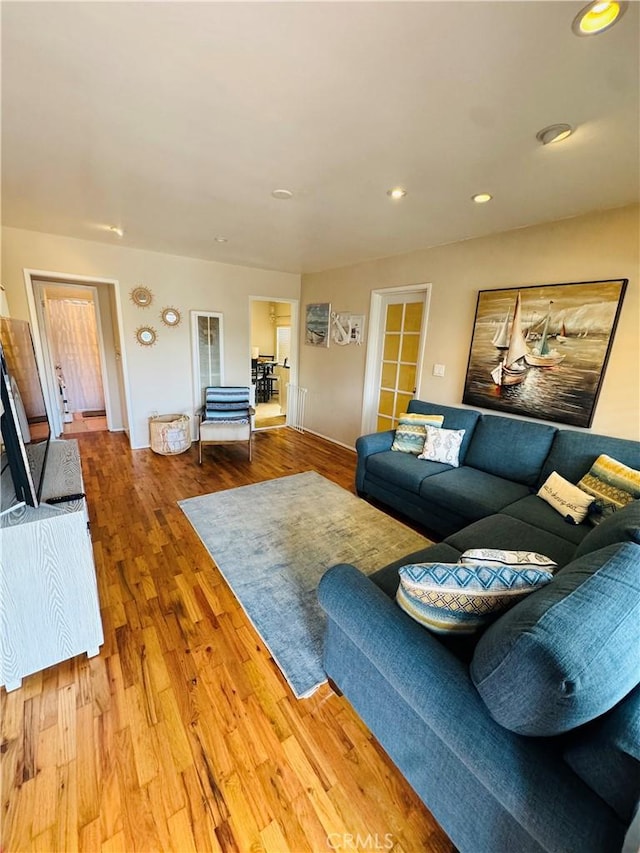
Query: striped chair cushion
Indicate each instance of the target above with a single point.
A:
(228, 404)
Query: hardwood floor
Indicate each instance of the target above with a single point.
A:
(182, 734)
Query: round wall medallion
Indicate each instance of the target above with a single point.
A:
(170, 316)
(142, 296)
(146, 336)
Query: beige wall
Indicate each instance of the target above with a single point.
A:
(601, 245)
(160, 377)
(263, 331)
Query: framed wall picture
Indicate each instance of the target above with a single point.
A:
(542, 351)
(357, 328)
(316, 324)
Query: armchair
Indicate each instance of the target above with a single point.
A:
(225, 417)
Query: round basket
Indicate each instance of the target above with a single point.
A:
(169, 434)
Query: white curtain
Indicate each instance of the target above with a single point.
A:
(74, 343)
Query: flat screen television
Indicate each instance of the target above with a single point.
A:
(24, 423)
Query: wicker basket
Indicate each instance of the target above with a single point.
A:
(169, 434)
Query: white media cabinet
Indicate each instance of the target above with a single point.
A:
(49, 607)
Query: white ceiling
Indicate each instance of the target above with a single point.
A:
(177, 120)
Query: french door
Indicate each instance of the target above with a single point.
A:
(395, 352)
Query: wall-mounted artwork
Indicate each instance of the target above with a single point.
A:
(316, 326)
(542, 351)
(141, 296)
(357, 328)
(346, 328)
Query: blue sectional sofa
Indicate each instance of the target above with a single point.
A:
(527, 736)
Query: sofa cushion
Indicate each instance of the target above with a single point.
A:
(612, 484)
(538, 513)
(510, 448)
(607, 756)
(502, 531)
(472, 493)
(573, 453)
(455, 598)
(454, 418)
(568, 652)
(402, 469)
(566, 499)
(442, 445)
(622, 526)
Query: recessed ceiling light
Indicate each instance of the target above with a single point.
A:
(598, 17)
(220, 239)
(283, 195)
(554, 133)
(396, 193)
(115, 229)
(481, 198)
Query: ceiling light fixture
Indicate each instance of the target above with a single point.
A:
(481, 198)
(396, 193)
(115, 229)
(554, 133)
(220, 239)
(283, 195)
(598, 17)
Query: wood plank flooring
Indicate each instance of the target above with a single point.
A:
(182, 734)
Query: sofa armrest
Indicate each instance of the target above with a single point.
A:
(366, 445)
(525, 775)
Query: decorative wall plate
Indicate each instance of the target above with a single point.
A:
(170, 316)
(142, 296)
(146, 336)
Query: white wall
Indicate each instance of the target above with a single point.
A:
(160, 377)
(602, 245)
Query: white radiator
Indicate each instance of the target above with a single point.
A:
(295, 406)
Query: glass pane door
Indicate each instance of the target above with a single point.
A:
(400, 358)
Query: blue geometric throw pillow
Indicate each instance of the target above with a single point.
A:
(453, 598)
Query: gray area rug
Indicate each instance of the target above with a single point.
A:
(273, 541)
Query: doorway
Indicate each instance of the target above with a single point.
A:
(77, 330)
(71, 327)
(395, 353)
(274, 336)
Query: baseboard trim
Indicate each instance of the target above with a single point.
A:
(332, 440)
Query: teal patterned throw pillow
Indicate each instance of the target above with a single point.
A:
(454, 598)
(411, 433)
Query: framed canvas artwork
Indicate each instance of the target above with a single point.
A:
(542, 351)
(316, 325)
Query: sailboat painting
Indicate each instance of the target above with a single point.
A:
(541, 351)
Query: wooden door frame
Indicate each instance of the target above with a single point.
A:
(374, 347)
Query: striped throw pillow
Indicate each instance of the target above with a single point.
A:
(411, 433)
(612, 484)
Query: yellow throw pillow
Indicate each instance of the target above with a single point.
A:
(612, 484)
